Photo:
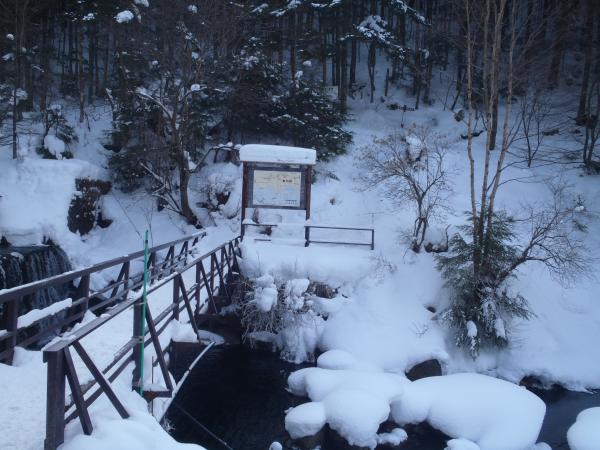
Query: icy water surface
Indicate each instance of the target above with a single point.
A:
(240, 396)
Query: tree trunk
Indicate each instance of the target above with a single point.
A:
(587, 65)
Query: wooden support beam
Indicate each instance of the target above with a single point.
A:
(55, 399)
(77, 394)
(157, 348)
(102, 382)
(187, 303)
(209, 289)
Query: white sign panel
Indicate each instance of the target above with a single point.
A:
(276, 188)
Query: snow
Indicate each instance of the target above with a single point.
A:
(36, 314)
(46, 187)
(265, 293)
(493, 413)
(584, 434)
(124, 16)
(54, 145)
(277, 154)
(306, 419)
(377, 326)
(478, 411)
(393, 438)
(140, 432)
(355, 402)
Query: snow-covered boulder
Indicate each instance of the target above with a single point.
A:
(355, 402)
(492, 413)
(584, 434)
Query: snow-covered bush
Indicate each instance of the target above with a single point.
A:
(286, 312)
(410, 167)
(58, 134)
(217, 191)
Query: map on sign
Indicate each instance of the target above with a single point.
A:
(275, 188)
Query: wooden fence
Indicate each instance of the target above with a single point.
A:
(309, 240)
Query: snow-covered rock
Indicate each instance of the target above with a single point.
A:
(584, 434)
(306, 419)
(492, 413)
(124, 16)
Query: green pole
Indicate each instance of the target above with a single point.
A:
(143, 321)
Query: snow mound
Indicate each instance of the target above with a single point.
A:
(265, 293)
(46, 187)
(354, 403)
(584, 434)
(394, 437)
(54, 145)
(398, 334)
(339, 359)
(306, 419)
(124, 16)
(493, 413)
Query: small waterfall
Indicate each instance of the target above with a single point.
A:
(22, 265)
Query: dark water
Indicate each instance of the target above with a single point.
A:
(562, 408)
(240, 396)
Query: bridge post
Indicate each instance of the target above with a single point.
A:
(55, 399)
(11, 325)
(176, 298)
(138, 335)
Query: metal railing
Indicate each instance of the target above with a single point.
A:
(308, 240)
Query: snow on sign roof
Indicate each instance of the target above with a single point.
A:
(277, 154)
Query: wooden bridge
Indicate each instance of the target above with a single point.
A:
(210, 279)
(166, 264)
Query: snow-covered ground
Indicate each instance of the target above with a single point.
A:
(377, 327)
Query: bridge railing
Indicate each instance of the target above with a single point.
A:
(211, 271)
(163, 259)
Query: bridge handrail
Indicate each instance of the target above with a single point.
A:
(7, 295)
(222, 262)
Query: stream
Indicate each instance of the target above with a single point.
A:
(239, 395)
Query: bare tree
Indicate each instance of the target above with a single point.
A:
(410, 167)
(592, 127)
(534, 113)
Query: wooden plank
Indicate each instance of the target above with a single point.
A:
(188, 306)
(104, 384)
(82, 411)
(158, 349)
(209, 290)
